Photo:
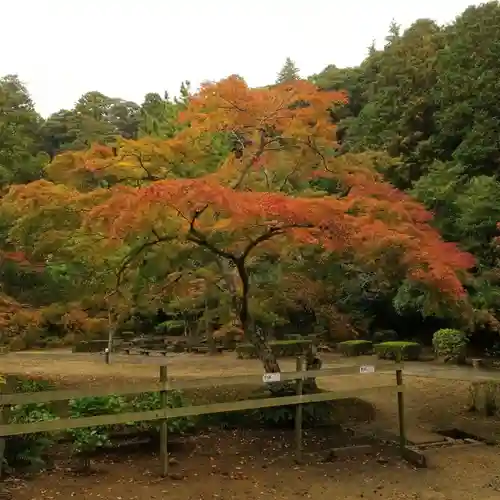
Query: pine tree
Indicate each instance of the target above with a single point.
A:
(289, 72)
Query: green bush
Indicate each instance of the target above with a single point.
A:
(384, 336)
(152, 401)
(314, 414)
(451, 345)
(355, 347)
(29, 449)
(87, 439)
(280, 348)
(409, 351)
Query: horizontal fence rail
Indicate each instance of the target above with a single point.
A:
(166, 384)
(183, 384)
(187, 411)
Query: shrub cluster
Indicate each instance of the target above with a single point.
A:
(31, 449)
(281, 349)
(355, 347)
(450, 345)
(56, 325)
(408, 351)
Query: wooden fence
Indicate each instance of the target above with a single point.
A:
(164, 413)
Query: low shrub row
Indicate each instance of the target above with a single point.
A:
(409, 351)
(449, 345)
(281, 349)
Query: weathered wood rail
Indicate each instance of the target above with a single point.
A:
(165, 384)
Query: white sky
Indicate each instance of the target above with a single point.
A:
(126, 48)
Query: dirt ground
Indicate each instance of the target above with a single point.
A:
(252, 465)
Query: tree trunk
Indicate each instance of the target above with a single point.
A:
(254, 336)
(264, 352)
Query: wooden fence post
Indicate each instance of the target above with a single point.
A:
(300, 366)
(164, 422)
(4, 420)
(401, 410)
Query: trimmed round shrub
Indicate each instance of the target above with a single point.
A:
(384, 336)
(355, 347)
(407, 351)
(450, 345)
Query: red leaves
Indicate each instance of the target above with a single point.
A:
(283, 137)
(325, 221)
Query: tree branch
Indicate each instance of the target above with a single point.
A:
(196, 237)
(263, 143)
(270, 233)
(136, 253)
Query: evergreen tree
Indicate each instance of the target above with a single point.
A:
(289, 72)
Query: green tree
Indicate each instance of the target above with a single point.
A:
(348, 80)
(95, 118)
(466, 91)
(60, 132)
(20, 157)
(399, 112)
(288, 72)
(159, 115)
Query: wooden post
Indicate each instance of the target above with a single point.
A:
(4, 420)
(164, 422)
(401, 410)
(300, 366)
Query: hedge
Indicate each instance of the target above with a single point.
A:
(355, 347)
(280, 348)
(409, 351)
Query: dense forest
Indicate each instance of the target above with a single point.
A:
(354, 200)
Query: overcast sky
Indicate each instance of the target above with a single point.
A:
(126, 48)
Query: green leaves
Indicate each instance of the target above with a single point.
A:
(288, 72)
(20, 156)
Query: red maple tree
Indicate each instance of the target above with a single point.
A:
(260, 197)
(275, 185)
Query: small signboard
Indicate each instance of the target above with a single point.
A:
(271, 377)
(367, 369)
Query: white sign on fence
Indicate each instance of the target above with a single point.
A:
(367, 369)
(271, 377)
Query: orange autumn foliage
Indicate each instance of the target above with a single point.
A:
(277, 125)
(325, 221)
(260, 194)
